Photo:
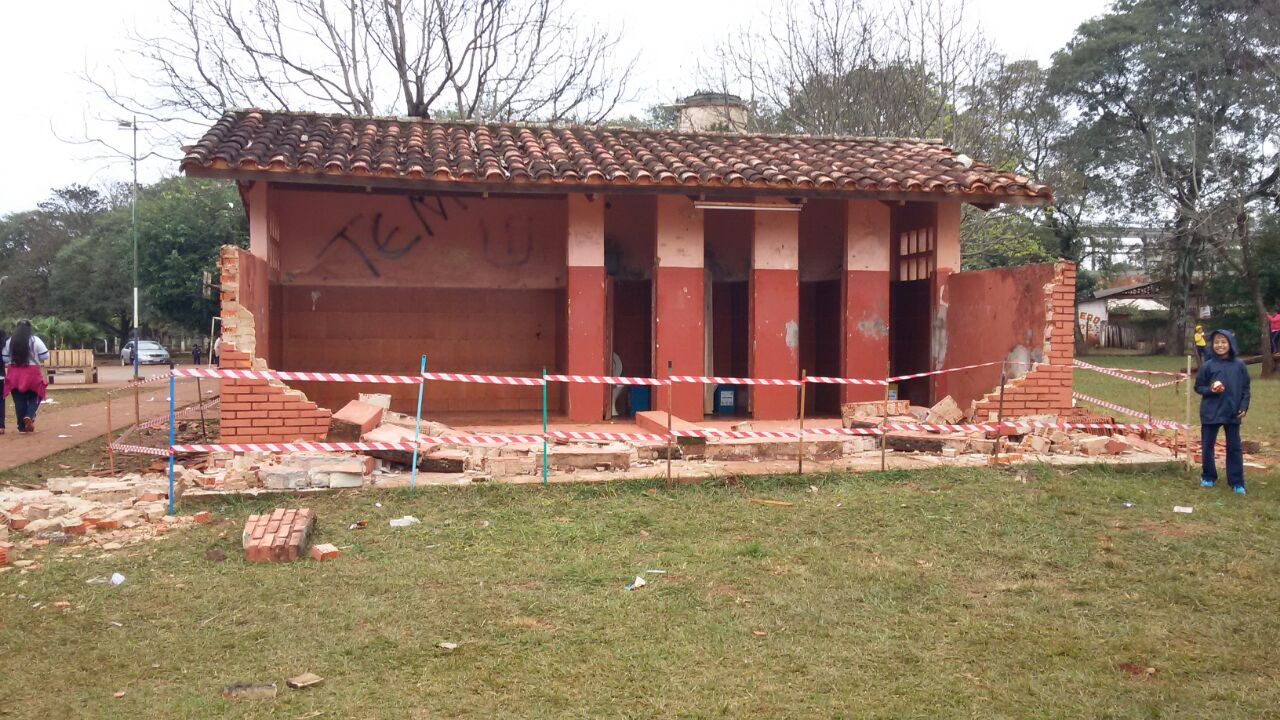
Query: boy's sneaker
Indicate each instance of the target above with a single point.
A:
(1238, 489)
(1205, 482)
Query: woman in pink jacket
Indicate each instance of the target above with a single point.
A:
(23, 380)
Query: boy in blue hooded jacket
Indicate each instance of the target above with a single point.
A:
(1223, 386)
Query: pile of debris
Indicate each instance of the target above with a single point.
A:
(105, 513)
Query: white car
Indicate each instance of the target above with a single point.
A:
(149, 353)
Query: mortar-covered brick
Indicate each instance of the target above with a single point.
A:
(1046, 388)
(257, 411)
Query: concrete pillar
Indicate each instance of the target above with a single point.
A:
(678, 303)
(259, 232)
(585, 296)
(864, 344)
(775, 312)
(947, 261)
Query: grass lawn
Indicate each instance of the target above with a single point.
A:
(1262, 423)
(949, 593)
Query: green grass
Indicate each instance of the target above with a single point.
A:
(949, 593)
(1262, 423)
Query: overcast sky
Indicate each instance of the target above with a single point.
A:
(50, 44)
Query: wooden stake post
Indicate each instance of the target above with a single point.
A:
(884, 438)
(800, 455)
(670, 409)
(111, 453)
(1190, 382)
(1004, 379)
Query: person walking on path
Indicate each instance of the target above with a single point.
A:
(22, 354)
(1275, 331)
(1223, 386)
(3, 336)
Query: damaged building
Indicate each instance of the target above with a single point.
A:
(513, 249)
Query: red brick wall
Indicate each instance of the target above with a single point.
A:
(256, 410)
(1046, 389)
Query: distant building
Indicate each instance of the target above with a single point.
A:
(711, 112)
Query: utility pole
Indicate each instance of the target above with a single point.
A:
(133, 213)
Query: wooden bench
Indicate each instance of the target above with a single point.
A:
(67, 362)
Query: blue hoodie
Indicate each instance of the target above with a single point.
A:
(1223, 408)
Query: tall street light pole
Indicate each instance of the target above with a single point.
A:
(133, 213)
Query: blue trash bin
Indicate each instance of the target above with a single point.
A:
(726, 400)
(637, 398)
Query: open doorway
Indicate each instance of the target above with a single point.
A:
(911, 299)
(820, 328)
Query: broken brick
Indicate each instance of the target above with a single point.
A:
(353, 420)
(203, 516)
(282, 536)
(324, 551)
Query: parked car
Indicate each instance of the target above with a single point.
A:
(149, 353)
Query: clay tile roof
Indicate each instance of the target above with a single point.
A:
(480, 156)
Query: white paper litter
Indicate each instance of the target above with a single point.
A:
(1182, 509)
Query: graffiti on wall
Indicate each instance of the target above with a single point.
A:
(1090, 324)
(374, 241)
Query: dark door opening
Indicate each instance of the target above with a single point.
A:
(630, 333)
(731, 334)
(909, 337)
(820, 327)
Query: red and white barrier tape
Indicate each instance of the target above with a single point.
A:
(912, 376)
(139, 450)
(698, 379)
(292, 447)
(485, 379)
(1126, 411)
(843, 381)
(182, 414)
(143, 381)
(605, 380)
(1112, 371)
(485, 439)
(634, 437)
(1167, 383)
(233, 374)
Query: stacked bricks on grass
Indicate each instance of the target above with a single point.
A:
(256, 411)
(7, 554)
(282, 536)
(1046, 387)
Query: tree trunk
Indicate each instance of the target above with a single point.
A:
(1183, 265)
(1249, 269)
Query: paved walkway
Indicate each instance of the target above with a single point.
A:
(58, 429)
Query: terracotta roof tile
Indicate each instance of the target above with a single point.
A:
(413, 150)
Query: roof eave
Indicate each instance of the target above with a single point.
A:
(560, 188)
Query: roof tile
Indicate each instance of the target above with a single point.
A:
(415, 150)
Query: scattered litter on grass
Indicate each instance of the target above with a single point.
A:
(772, 503)
(639, 582)
(62, 604)
(305, 680)
(1126, 504)
(249, 691)
(813, 489)
(361, 524)
(113, 622)
(377, 504)
(117, 579)
(96, 580)
(118, 694)
(655, 572)
(431, 547)
(1183, 509)
(405, 521)
(759, 633)
(564, 519)
(447, 646)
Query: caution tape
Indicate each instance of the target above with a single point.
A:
(485, 439)
(608, 436)
(698, 379)
(139, 450)
(292, 447)
(182, 414)
(843, 381)
(1123, 374)
(234, 374)
(912, 376)
(1127, 411)
(485, 379)
(605, 380)
(140, 382)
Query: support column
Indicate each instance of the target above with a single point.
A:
(585, 297)
(678, 303)
(775, 312)
(259, 230)
(864, 344)
(947, 256)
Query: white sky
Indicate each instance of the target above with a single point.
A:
(49, 45)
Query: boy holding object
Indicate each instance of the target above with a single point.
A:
(1223, 386)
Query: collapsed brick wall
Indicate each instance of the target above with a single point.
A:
(256, 411)
(1046, 388)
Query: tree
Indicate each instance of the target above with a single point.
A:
(30, 241)
(181, 224)
(1181, 101)
(92, 277)
(466, 59)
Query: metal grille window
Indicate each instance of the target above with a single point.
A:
(916, 257)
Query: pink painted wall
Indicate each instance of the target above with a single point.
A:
(994, 315)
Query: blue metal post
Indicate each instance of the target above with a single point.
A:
(173, 398)
(417, 427)
(544, 426)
